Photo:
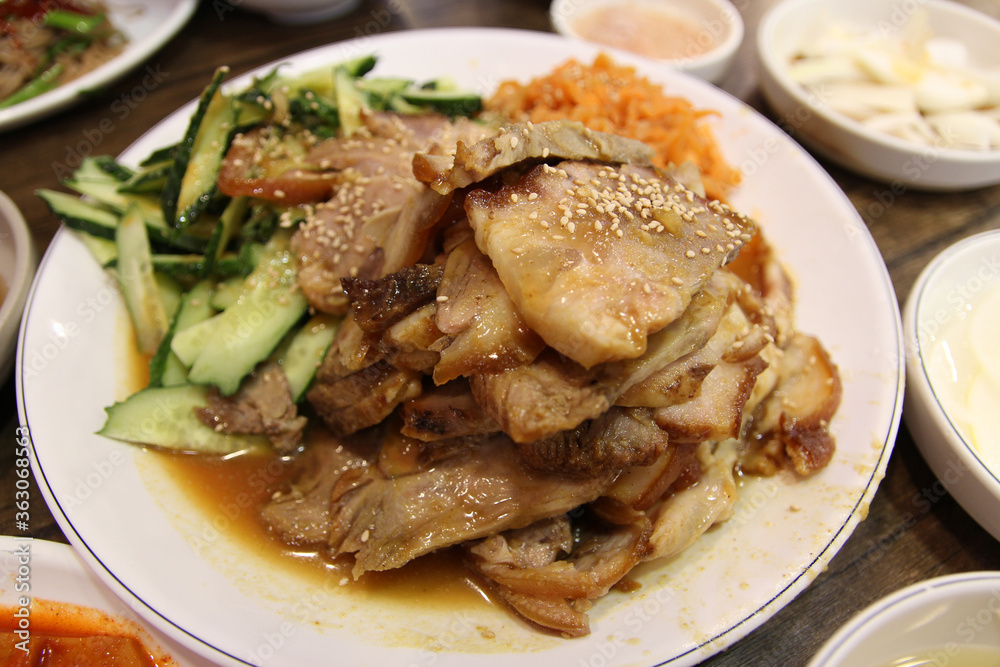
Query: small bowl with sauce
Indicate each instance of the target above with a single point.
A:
(951, 319)
(904, 93)
(951, 620)
(17, 267)
(700, 37)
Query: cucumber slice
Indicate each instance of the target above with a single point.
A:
(302, 355)
(165, 417)
(98, 220)
(252, 327)
(449, 102)
(191, 182)
(349, 101)
(227, 292)
(165, 368)
(138, 283)
(189, 343)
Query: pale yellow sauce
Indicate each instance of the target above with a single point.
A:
(649, 31)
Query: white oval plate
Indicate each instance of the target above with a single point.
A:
(53, 571)
(148, 25)
(145, 539)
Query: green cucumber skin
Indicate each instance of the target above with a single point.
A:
(305, 352)
(165, 417)
(247, 332)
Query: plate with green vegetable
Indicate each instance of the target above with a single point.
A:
(69, 51)
(146, 234)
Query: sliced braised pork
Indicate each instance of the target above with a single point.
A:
(596, 258)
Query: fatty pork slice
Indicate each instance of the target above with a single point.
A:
(597, 257)
(550, 577)
(552, 394)
(374, 175)
(478, 492)
(791, 428)
(483, 330)
(526, 142)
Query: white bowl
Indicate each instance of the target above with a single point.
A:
(939, 619)
(300, 12)
(943, 298)
(880, 156)
(18, 260)
(715, 22)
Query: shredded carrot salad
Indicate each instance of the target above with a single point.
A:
(612, 98)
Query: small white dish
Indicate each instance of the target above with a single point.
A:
(51, 571)
(938, 620)
(711, 30)
(941, 300)
(300, 12)
(18, 260)
(849, 143)
(148, 25)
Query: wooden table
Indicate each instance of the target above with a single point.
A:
(903, 539)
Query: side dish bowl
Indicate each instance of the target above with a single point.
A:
(711, 31)
(300, 12)
(17, 266)
(950, 291)
(933, 622)
(873, 153)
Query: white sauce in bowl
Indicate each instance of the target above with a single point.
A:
(964, 369)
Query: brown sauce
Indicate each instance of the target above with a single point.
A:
(229, 491)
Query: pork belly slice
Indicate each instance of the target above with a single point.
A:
(743, 332)
(378, 304)
(684, 515)
(717, 412)
(554, 393)
(445, 412)
(476, 493)
(484, 331)
(362, 399)
(522, 142)
(549, 578)
(596, 258)
(263, 405)
(639, 487)
(791, 429)
(613, 441)
(374, 176)
(299, 515)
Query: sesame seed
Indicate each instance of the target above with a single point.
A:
(441, 298)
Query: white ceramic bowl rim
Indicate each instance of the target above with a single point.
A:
(771, 23)
(916, 339)
(836, 648)
(17, 288)
(561, 10)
